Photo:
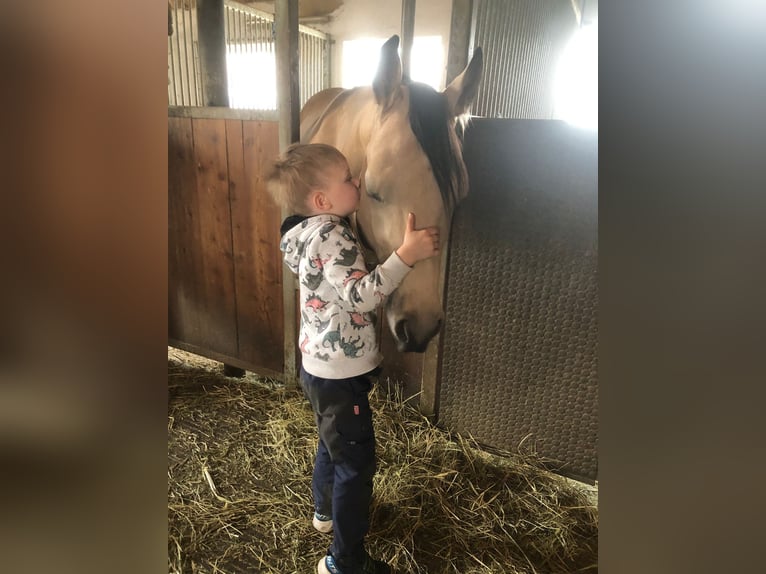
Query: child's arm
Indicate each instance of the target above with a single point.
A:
(418, 244)
(365, 291)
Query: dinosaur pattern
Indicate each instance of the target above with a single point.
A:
(353, 275)
(360, 320)
(312, 280)
(339, 296)
(347, 256)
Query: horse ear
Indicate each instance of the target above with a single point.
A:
(462, 91)
(388, 78)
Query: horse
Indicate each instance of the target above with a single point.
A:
(401, 138)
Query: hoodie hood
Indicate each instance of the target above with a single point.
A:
(297, 230)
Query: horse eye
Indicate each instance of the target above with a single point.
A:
(375, 196)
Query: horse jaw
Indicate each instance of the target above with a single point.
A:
(414, 313)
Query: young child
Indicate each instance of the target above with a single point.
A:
(338, 341)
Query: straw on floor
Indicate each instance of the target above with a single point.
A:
(240, 454)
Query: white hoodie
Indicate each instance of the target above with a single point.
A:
(338, 297)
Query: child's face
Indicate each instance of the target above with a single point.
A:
(341, 190)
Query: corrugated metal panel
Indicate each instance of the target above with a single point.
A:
(522, 42)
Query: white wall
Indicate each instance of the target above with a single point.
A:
(383, 18)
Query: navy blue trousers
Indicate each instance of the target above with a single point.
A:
(345, 460)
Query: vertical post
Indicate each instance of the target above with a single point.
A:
(286, 27)
(286, 23)
(430, 375)
(212, 51)
(460, 38)
(408, 34)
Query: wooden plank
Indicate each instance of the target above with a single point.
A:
(405, 370)
(229, 360)
(183, 264)
(222, 113)
(211, 237)
(255, 233)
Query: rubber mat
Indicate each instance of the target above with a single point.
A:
(519, 356)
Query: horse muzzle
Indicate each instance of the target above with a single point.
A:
(413, 336)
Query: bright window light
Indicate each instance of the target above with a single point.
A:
(360, 61)
(252, 80)
(576, 82)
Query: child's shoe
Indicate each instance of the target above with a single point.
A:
(322, 522)
(327, 565)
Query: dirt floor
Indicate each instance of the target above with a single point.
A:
(240, 454)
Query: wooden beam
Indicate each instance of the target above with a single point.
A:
(288, 103)
(212, 51)
(222, 113)
(459, 38)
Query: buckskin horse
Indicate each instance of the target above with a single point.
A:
(400, 137)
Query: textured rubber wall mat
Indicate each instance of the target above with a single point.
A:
(519, 357)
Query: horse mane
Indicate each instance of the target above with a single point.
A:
(430, 123)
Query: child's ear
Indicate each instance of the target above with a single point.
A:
(319, 201)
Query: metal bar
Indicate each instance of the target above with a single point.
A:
(258, 36)
(494, 58)
(229, 33)
(459, 38)
(250, 36)
(515, 75)
(199, 94)
(533, 57)
(212, 48)
(408, 34)
(187, 100)
(171, 53)
(507, 79)
(302, 69)
(480, 39)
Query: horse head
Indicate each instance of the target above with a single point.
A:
(401, 137)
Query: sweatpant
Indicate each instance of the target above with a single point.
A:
(345, 460)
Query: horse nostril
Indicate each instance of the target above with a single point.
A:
(401, 331)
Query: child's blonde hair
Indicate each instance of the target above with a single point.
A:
(300, 169)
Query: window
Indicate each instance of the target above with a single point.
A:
(360, 61)
(576, 83)
(252, 79)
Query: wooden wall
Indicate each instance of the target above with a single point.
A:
(224, 267)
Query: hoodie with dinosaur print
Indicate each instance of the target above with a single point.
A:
(338, 297)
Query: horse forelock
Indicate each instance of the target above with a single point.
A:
(433, 129)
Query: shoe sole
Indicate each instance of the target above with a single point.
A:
(324, 527)
(322, 567)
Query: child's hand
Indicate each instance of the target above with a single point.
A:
(418, 244)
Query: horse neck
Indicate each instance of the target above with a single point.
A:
(349, 126)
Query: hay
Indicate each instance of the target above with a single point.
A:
(240, 455)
